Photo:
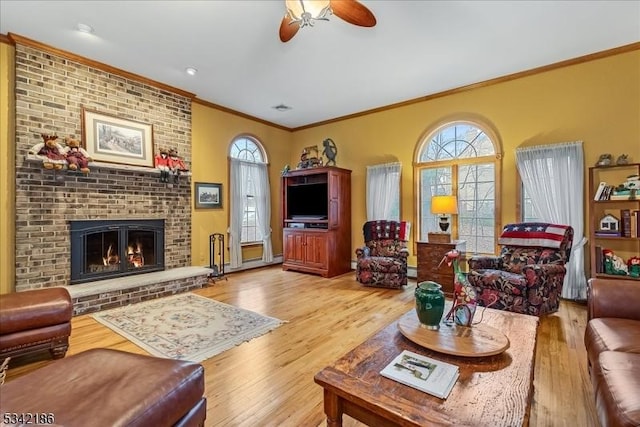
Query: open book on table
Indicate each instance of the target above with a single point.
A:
(421, 372)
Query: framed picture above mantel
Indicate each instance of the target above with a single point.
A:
(111, 139)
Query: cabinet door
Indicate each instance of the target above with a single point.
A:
(315, 249)
(293, 247)
(334, 200)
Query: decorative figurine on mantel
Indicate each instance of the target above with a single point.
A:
(50, 151)
(77, 156)
(163, 163)
(330, 150)
(176, 165)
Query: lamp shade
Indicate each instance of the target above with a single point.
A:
(444, 205)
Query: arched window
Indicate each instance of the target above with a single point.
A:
(249, 150)
(461, 159)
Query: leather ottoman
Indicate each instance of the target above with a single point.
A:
(103, 387)
(35, 320)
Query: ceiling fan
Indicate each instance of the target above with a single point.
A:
(302, 13)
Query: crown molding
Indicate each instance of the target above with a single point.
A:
(569, 62)
(14, 38)
(17, 39)
(239, 114)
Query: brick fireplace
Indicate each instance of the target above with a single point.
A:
(51, 91)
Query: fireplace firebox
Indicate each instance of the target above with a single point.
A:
(103, 249)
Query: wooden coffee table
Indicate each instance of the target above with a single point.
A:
(491, 391)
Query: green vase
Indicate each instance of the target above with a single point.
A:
(429, 304)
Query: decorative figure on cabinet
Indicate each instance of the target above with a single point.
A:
(464, 296)
(309, 158)
(304, 162)
(50, 151)
(330, 151)
(176, 165)
(163, 163)
(633, 265)
(623, 159)
(77, 157)
(604, 160)
(285, 170)
(613, 264)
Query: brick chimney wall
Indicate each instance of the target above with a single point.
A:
(50, 93)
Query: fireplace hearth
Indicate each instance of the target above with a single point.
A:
(104, 249)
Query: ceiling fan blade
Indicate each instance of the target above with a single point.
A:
(287, 29)
(353, 12)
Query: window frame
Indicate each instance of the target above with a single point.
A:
(495, 158)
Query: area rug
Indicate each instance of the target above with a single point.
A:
(186, 326)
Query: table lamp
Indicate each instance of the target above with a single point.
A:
(443, 206)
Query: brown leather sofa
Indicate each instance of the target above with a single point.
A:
(612, 339)
(103, 387)
(35, 320)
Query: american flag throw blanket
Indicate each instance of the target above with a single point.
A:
(536, 234)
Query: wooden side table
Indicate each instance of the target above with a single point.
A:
(429, 256)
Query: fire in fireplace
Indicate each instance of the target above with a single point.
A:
(102, 249)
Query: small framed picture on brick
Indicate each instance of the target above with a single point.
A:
(208, 196)
(114, 140)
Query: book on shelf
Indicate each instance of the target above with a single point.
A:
(619, 197)
(635, 223)
(599, 191)
(599, 265)
(607, 233)
(625, 222)
(606, 192)
(423, 373)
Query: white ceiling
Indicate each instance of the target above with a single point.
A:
(334, 69)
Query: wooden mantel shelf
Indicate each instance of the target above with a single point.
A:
(33, 158)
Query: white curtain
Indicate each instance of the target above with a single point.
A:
(249, 178)
(553, 177)
(236, 206)
(259, 177)
(383, 192)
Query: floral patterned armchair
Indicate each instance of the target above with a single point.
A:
(382, 261)
(527, 276)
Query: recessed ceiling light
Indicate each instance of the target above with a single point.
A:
(281, 107)
(191, 71)
(84, 28)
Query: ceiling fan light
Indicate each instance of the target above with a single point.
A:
(84, 28)
(305, 12)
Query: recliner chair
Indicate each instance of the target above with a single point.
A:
(382, 261)
(527, 276)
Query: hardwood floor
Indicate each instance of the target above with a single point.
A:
(269, 380)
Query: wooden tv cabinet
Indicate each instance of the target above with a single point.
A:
(317, 233)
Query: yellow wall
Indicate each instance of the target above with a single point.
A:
(597, 102)
(7, 169)
(212, 133)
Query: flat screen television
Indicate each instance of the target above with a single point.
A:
(308, 200)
